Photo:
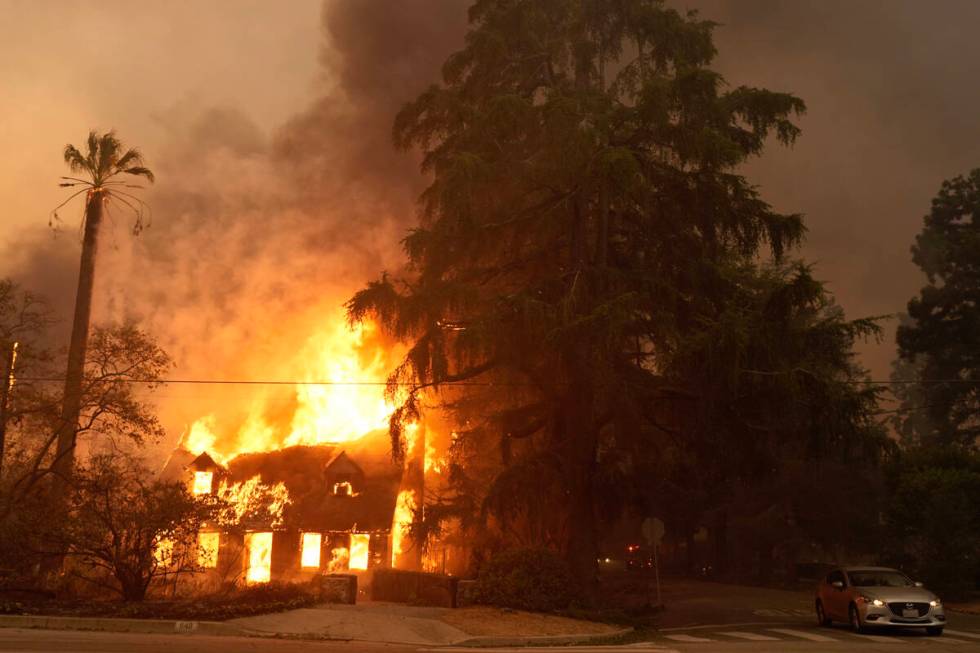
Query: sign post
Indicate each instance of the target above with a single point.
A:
(653, 532)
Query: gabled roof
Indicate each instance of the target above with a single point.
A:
(341, 463)
(204, 463)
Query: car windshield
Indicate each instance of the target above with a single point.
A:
(872, 578)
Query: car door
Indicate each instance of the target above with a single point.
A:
(836, 601)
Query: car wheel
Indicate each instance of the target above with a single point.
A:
(855, 619)
(822, 618)
(935, 631)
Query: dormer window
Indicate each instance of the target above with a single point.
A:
(343, 489)
(203, 482)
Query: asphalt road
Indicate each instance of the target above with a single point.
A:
(700, 618)
(727, 640)
(710, 617)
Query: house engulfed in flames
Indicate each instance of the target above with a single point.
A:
(296, 512)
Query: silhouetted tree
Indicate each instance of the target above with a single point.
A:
(104, 160)
(110, 414)
(124, 529)
(943, 335)
(24, 317)
(583, 205)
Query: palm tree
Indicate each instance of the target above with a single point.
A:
(98, 169)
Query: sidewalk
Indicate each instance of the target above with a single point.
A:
(396, 623)
(390, 623)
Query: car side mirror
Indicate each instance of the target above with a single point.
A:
(837, 585)
(917, 583)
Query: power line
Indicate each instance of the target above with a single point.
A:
(51, 379)
(43, 379)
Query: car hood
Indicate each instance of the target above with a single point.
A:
(899, 594)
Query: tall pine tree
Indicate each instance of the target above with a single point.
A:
(583, 207)
(942, 338)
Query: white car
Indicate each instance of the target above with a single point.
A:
(877, 597)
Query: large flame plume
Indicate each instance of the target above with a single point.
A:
(339, 396)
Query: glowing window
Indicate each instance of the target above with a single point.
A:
(343, 489)
(259, 548)
(311, 550)
(359, 544)
(207, 549)
(202, 482)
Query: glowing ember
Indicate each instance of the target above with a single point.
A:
(339, 559)
(207, 549)
(203, 482)
(404, 512)
(310, 556)
(359, 546)
(259, 548)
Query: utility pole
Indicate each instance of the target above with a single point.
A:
(9, 359)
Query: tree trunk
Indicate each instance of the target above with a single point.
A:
(8, 377)
(719, 540)
(581, 546)
(65, 458)
(689, 551)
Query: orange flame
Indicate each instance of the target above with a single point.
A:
(252, 496)
(203, 482)
(359, 548)
(339, 399)
(207, 549)
(310, 556)
(259, 547)
(404, 511)
(339, 559)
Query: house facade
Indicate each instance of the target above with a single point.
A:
(295, 512)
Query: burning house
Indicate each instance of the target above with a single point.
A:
(298, 511)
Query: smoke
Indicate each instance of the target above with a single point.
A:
(891, 88)
(256, 239)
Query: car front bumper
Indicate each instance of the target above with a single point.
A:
(883, 616)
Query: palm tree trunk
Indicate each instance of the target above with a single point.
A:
(65, 458)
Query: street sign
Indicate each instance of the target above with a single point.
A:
(653, 530)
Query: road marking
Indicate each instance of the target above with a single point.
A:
(782, 613)
(802, 634)
(644, 646)
(882, 638)
(963, 633)
(756, 637)
(688, 638)
(944, 640)
(741, 624)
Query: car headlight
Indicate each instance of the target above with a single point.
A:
(935, 603)
(875, 602)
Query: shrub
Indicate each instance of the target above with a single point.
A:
(525, 579)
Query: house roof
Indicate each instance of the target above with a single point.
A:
(306, 472)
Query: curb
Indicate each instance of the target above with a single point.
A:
(540, 640)
(122, 625)
(218, 629)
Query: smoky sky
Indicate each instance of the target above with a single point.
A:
(278, 199)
